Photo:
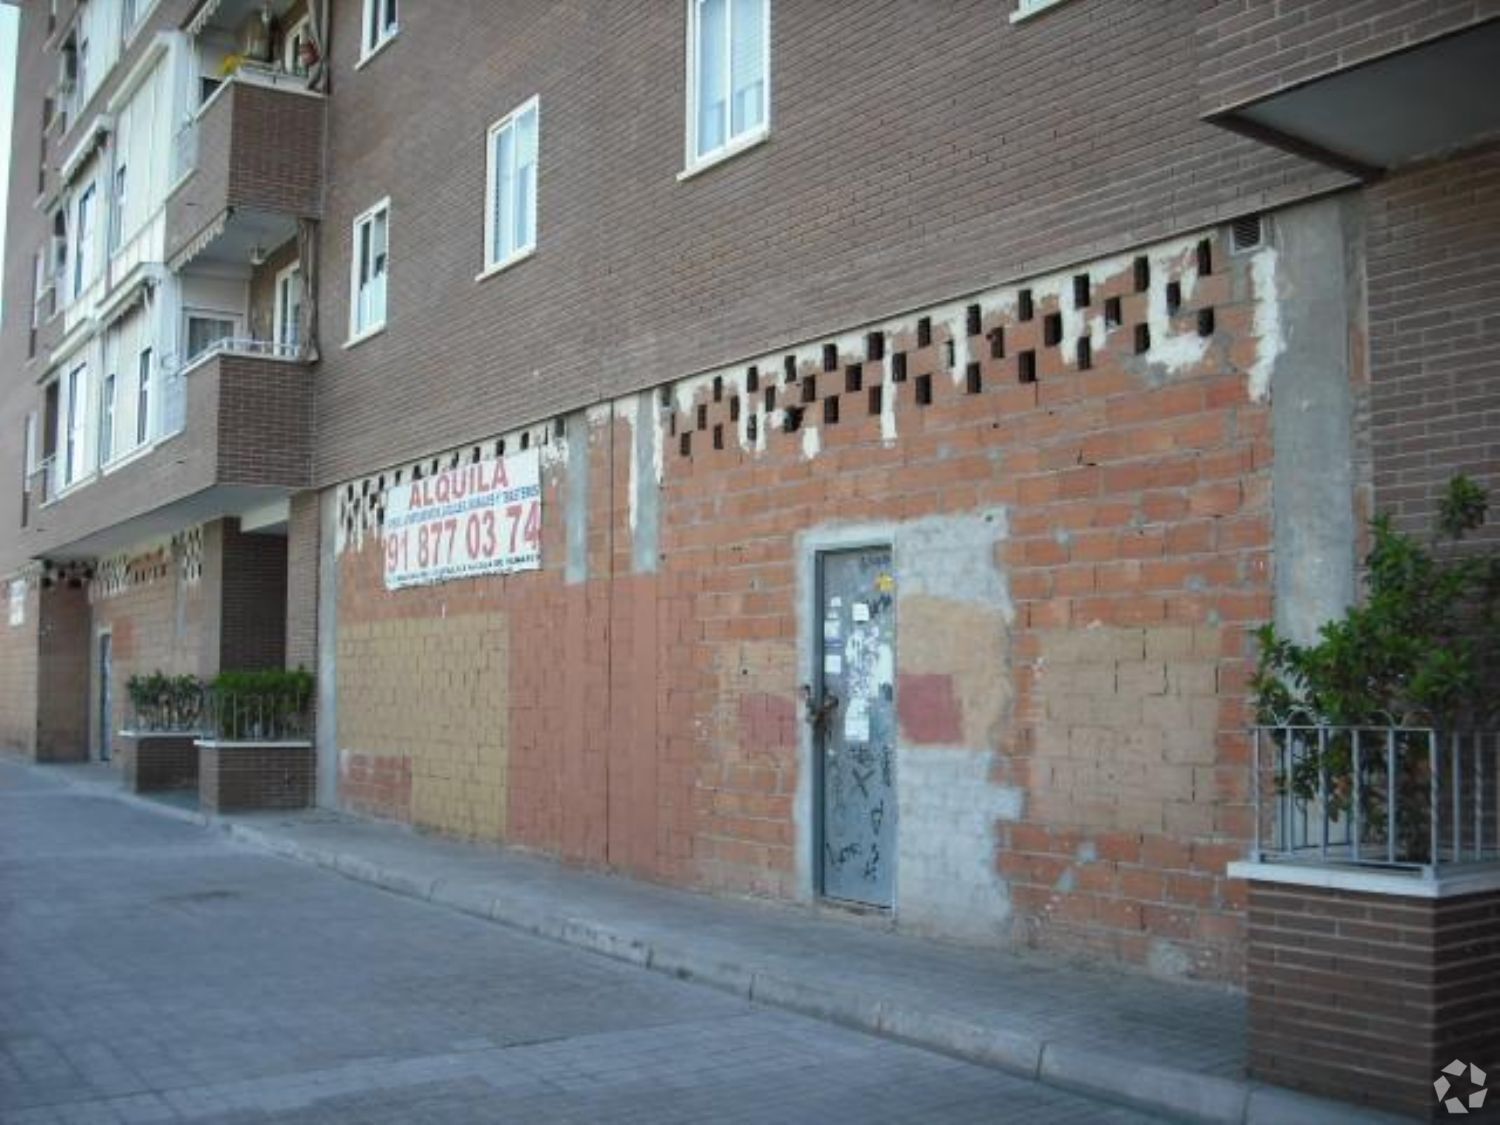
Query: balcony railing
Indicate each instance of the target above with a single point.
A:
(245, 345)
(1403, 798)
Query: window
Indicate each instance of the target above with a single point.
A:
(510, 211)
(117, 209)
(107, 420)
(380, 25)
(292, 45)
(286, 318)
(728, 76)
(205, 331)
(370, 265)
(83, 239)
(75, 419)
(143, 398)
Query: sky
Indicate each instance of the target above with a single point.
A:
(9, 17)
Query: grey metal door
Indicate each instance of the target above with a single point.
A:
(106, 694)
(855, 736)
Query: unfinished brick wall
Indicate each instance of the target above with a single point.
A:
(1074, 473)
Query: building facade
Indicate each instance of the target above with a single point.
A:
(926, 403)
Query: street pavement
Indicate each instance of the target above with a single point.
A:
(150, 971)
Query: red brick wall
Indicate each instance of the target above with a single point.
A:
(651, 719)
(252, 603)
(64, 655)
(1434, 280)
(304, 535)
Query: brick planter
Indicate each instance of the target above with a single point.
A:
(151, 762)
(243, 776)
(1364, 986)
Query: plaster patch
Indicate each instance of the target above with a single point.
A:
(1269, 340)
(812, 443)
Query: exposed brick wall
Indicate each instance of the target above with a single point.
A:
(304, 537)
(252, 605)
(1365, 997)
(916, 152)
(1251, 48)
(1434, 276)
(653, 714)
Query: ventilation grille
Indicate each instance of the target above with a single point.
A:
(1247, 233)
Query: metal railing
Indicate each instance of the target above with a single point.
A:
(1405, 798)
(258, 717)
(245, 346)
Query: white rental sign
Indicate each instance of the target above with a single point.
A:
(480, 518)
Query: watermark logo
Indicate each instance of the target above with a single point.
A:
(1444, 1085)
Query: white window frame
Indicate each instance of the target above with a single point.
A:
(84, 236)
(109, 393)
(74, 420)
(358, 332)
(300, 30)
(492, 264)
(143, 396)
(694, 161)
(119, 181)
(373, 35)
(279, 325)
(1025, 9)
(235, 321)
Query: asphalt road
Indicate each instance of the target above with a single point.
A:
(151, 971)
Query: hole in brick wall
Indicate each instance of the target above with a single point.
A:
(1025, 309)
(1026, 366)
(453, 461)
(924, 390)
(734, 408)
(666, 396)
(831, 410)
(770, 399)
(1081, 295)
(877, 398)
(685, 445)
(854, 377)
(1205, 322)
(501, 451)
(752, 379)
(526, 440)
(1052, 329)
(560, 427)
(830, 357)
(875, 346)
(719, 436)
(1174, 297)
(474, 456)
(1112, 313)
(948, 357)
(997, 344)
(1085, 353)
(1205, 258)
(973, 383)
(789, 368)
(791, 419)
(364, 488)
(672, 423)
(810, 389)
(971, 320)
(1142, 271)
(718, 388)
(1142, 339)
(898, 367)
(702, 416)
(924, 331)
(752, 427)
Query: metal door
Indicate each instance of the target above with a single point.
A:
(855, 725)
(106, 694)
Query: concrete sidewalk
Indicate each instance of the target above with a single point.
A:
(1173, 1048)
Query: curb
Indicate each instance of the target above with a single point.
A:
(1183, 1094)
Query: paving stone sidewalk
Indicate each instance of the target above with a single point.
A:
(1173, 1048)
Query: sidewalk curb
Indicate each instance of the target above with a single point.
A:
(1087, 1069)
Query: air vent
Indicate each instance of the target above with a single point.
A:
(1247, 233)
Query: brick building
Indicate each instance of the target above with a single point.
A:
(926, 403)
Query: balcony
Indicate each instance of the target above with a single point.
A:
(1362, 89)
(249, 166)
(234, 432)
